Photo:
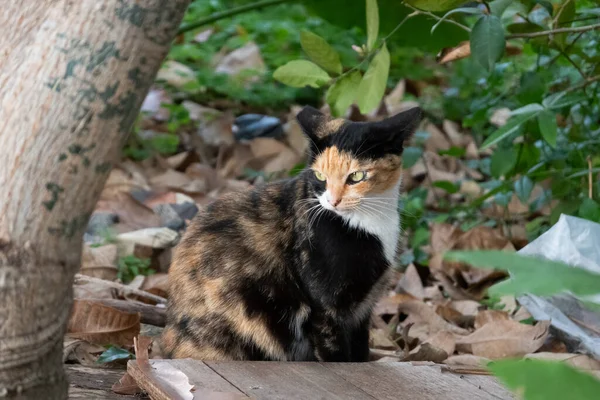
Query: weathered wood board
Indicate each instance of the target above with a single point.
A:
(313, 381)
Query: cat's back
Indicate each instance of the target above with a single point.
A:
(237, 246)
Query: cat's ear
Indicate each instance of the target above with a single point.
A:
(396, 130)
(310, 120)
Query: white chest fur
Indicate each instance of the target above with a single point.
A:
(379, 216)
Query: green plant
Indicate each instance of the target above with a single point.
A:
(131, 266)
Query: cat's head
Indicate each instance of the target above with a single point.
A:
(356, 166)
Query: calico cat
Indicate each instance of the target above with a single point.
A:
(291, 270)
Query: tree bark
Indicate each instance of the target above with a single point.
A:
(73, 75)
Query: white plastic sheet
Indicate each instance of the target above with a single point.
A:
(576, 242)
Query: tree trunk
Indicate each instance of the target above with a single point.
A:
(73, 75)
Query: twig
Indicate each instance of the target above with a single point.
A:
(554, 31)
(583, 84)
(406, 338)
(123, 288)
(590, 178)
(574, 64)
(432, 15)
(228, 13)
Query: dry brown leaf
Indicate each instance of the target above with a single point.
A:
(157, 284)
(521, 314)
(283, 161)
(170, 179)
(410, 283)
(437, 140)
(466, 307)
(99, 324)
(81, 352)
(457, 138)
(463, 50)
(176, 74)
(395, 97)
(470, 188)
(427, 352)
(580, 361)
(426, 321)
(126, 386)
(99, 262)
(388, 305)
(504, 338)
(436, 348)
(443, 340)
(443, 237)
(182, 160)
(142, 346)
(378, 339)
(467, 360)
(243, 58)
(472, 153)
(155, 238)
(453, 316)
(123, 181)
(487, 316)
(132, 214)
(461, 281)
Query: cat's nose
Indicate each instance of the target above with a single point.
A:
(334, 202)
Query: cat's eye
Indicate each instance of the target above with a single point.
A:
(320, 176)
(357, 176)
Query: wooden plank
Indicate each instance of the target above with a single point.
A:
(203, 377)
(489, 384)
(289, 380)
(403, 381)
(76, 393)
(150, 375)
(93, 378)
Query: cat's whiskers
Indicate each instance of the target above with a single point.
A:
(376, 212)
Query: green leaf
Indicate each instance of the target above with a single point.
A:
(453, 152)
(462, 10)
(447, 186)
(320, 52)
(499, 6)
(487, 41)
(506, 130)
(563, 99)
(523, 188)
(372, 86)
(531, 88)
(435, 5)
(566, 15)
(545, 380)
(372, 23)
(410, 156)
(589, 209)
(503, 161)
(343, 93)
(112, 354)
(548, 128)
(529, 108)
(529, 274)
(301, 73)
